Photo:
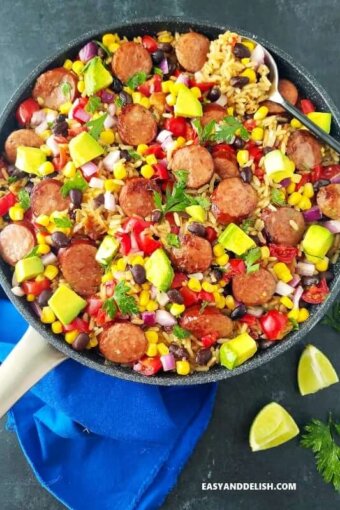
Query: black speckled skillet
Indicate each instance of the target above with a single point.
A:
(288, 68)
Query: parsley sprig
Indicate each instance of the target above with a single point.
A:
(24, 199)
(77, 182)
(180, 332)
(136, 80)
(93, 104)
(96, 126)
(126, 304)
(110, 307)
(277, 197)
(173, 240)
(62, 222)
(250, 258)
(222, 132)
(332, 318)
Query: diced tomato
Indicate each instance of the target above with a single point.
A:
(79, 324)
(178, 280)
(307, 106)
(102, 318)
(316, 294)
(35, 287)
(249, 124)
(190, 134)
(145, 89)
(255, 152)
(135, 225)
(147, 244)
(125, 242)
(206, 296)
(316, 173)
(149, 366)
(273, 324)
(304, 179)
(209, 340)
(170, 218)
(210, 234)
(155, 149)
(328, 172)
(236, 266)
(177, 126)
(161, 171)
(189, 296)
(248, 319)
(60, 161)
(259, 172)
(149, 43)
(283, 253)
(25, 111)
(6, 203)
(157, 83)
(93, 306)
(224, 147)
(203, 86)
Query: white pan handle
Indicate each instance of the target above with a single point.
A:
(27, 363)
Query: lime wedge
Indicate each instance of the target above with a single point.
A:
(315, 371)
(272, 426)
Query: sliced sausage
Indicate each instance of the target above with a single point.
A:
(212, 112)
(25, 137)
(233, 201)
(122, 343)
(197, 161)
(16, 241)
(285, 226)
(136, 197)
(80, 268)
(225, 164)
(136, 125)
(328, 200)
(210, 320)
(194, 254)
(50, 87)
(129, 59)
(304, 149)
(46, 198)
(191, 51)
(255, 288)
(288, 91)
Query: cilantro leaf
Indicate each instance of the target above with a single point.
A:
(110, 307)
(227, 129)
(250, 257)
(24, 199)
(173, 240)
(96, 126)
(126, 304)
(62, 222)
(12, 178)
(119, 102)
(133, 154)
(77, 182)
(247, 224)
(66, 90)
(295, 324)
(157, 70)
(206, 132)
(32, 253)
(332, 318)
(136, 80)
(93, 104)
(202, 201)
(277, 197)
(180, 332)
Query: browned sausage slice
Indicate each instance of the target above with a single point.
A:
(136, 125)
(212, 112)
(16, 241)
(288, 91)
(136, 197)
(194, 255)
(255, 288)
(304, 149)
(197, 161)
(25, 137)
(328, 200)
(191, 51)
(46, 198)
(80, 268)
(285, 226)
(50, 86)
(225, 165)
(210, 320)
(129, 59)
(122, 343)
(233, 201)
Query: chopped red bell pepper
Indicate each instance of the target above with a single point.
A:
(93, 306)
(206, 296)
(60, 161)
(209, 340)
(6, 202)
(210, 234)
(255, 152)
(223, 147)
(35, 287)
(149, 43)
(177, 126)
(249, 319)
(102, 317)
(135, 224)
(330, 171)
(79, 324)
(283, 253)
(25, 111)
(125, 242)
(178, 280)
(307, 106)
(304, 179)
(204, 86)
(236, 266)
(273, 324)
(147, 244)
(149, 366)
(189, 296)
(249, 124)
(155, 149)
(316, 173)
(316, 294)
(161, 171)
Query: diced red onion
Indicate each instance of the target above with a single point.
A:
(42, 127)
(162, 298)
(89, 169)
(149, 318)
(111, 159)
(222, 100)
(81, 115)
(74, 106)
(168, 362)
(305, 268)
(36, 308)
(109, 201)
(198, 276)
(295, 281)
(297, 296)
(107, 96)
(37, 118)
(256, 311)
(96, 183)
(49, 258)
(109, 122)
(167, 144)
(112, 109)
(285, 182)
(88, 51)
(17, 291)
(137, 367)
(335, 179)
(283, 289)
(164, 66)
(164, 318)
(333, 226)
(163, 135)
(258, 55)
(52, 144)
(153, 292)
(312, 214)
(183, 78)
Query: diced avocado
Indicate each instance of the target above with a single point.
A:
(96, 76)
(278, 165)
(234, 239)
(84, 148)
(159, 270)
(28, 268)
(187, 104)
(321, 119)
(196, 212)
(29, 159)
(66, 304)
(107, 249)
(317, 241)
(237, 351)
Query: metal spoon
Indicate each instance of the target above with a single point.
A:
(276, 97)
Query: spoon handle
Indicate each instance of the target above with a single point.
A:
(320, 133)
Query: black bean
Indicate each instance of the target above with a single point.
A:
(203, 356)
(217, 274)
(157, 56)
(125, 98)
(266, 150)
(138, 273)
(239, 143)
(226, 290)
(60, 118)
(60, 240)
(60, 129)
(156, 215)
(15, 172)
(238, 312)
(116, 85)
(239, 81)
(320, 184)
(307, 281)
(76, 197)
(44, 297)
(101, 53)
(172, 67)
(246, 174)
(197, 229)
(265, 344)
(328, 275)
(175, 296)
(166, 47)
(124, 154)
(178, 352)
(29, 186)
(241, 51)
(214, 94)
(81, 342)
(99, 200)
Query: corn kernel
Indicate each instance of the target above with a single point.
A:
(282, 272)
(47, 315)
(152, 350)
(165, 38)
(222, 260)
(291, 188)
(43, 249)
(141, 148)
(114, 47)
(119, 171)
(43, 220)
(151, 159)
(220, 302)
(92, 343)
(106, 277)
(166, 86)
(196, 92)
(16, 213)
(46, 150)
(147, 171)
(287, 302)
(51, 271)
(64, 108)
(304, 204)
(77, 67)
(296, 178)
(245, 61)
(294, 198)
(152, 306)
(209, 287)
(30, 297)
(182, 367)
(151, 336)
(303, 315)
(108, 39)
(174, 87)
(222, 283)
(308, 190)
(249, 73)
(145, 101)
(107, 137)
(136, 97)
(57, 327)
(68, 64)
(296, 124)
(81, 86)
(121, 264)
(176, 309)
(293, 314)
(146, 286)
(261, 113)
(242, 157)
(322, 265)
(265, 253)
(194, 285)
(180, 141)
(45, 134)
(70, 336)
(137, 259)
(218, 250)
(170, 99)
(257, 134)
(39, 278)
(144, 297)
(162, 349)
(230, 302)
(69, 169)
(46, 168)
(249, 44)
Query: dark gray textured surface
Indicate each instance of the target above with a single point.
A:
(308, 31)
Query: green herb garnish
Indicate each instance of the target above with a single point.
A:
(126, 304)
(332, 318)
(104, 48)
(295, 324)
(96, 126)
(226, 130)
(173, 240)
(110, 307)
(77, 182)
(204, 133)
(157, 70)
(66, 90)
(62, 222)
(133, 154)
(119, 102)
(277, 197)
(136, 80)
(24, 199)
(180, 332)
(93, 104)
(12, 179)
(32, 253)
(247, 224)
(250, 257)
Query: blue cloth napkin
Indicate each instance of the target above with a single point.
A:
(94, 441)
